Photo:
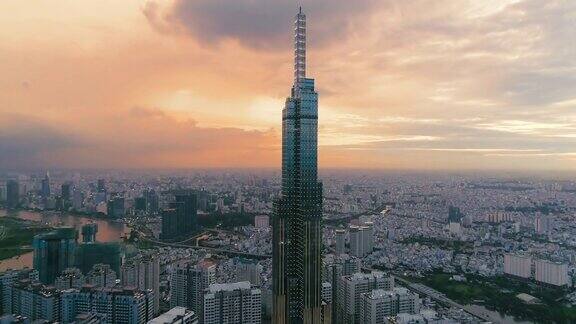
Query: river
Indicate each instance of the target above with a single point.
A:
(107, 231)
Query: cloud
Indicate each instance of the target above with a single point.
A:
(138, 140)
(25, 141)
(254, 23)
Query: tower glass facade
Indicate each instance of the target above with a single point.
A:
(297, 235)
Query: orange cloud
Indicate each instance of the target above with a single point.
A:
(447, 84)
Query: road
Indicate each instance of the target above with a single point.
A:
(213, 250)
(442, 299)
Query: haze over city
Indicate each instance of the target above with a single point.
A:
(450, 84)
(321, 162)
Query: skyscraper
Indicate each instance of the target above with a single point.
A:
(187, 223)
(297, 235)
(89, 232)
(54, 252)
(46, 185)
(236, 302)
(188, 283)
(12, 194)
(340, 237)
(143, 272)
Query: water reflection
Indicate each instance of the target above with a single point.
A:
(107, 231)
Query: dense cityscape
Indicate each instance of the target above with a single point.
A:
(289, 245)
(461, 247)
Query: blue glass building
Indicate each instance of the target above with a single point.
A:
(297, 221)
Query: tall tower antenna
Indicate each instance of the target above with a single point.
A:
(297, 217)
(299, 47)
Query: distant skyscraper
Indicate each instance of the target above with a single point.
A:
(340, 238)
(188, 222)
(116, 207)
(89, 232)
(101, 187)
(170, 222)
(543, 224)
(361, 239)
(54, 252)
(232, 303)
(13, 194)
(89, 254)
(454, 214)
(140, 204)
(151, 201)
(46, 185)
(66, 195)
(297, 221)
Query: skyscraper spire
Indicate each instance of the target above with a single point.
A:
(297, 219)
(299, 47)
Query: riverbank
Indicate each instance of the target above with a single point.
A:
(16, 236)
(108, 231)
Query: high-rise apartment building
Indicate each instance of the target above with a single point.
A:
(249, 270)
(188, 283)
(351, 288)
(127, 305)
(377, 305)
(543, 224)
(70, 278)
(36, 301)
(143, 272)
(335, 266)
(551, 273)
(101, 275)
(7, 281)
(297, 219)
(232, 303)
(361, 239)
(518, 265)
(54, 252)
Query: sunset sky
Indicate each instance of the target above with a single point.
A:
(403, 84)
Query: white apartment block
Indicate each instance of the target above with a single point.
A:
(232, 303)
(350, 289)
(379, 304)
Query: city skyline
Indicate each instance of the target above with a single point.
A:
(445, 85)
